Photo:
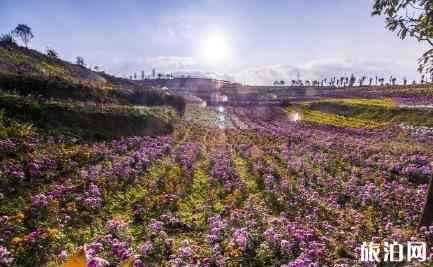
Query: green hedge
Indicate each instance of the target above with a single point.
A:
(85, 123)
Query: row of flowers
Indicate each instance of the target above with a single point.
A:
(272, 193)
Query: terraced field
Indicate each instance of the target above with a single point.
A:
(230, 187)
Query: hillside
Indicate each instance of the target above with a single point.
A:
(20, 60)
(57, 97)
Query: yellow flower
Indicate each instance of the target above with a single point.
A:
(229, 248)
(16, 240)
(19, 218)
(71, 207)
(52, 233)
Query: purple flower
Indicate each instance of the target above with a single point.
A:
(241, 237)
(156, 226)
(63, 255)
(285, 245)
(145, 248)
(5, 258)
(210, 239)
(97, 262)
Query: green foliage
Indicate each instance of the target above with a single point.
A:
(85, 122)
(410, 18)
(24, 32)
(2, 127)
(10, 127)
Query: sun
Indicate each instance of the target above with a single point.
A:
(214, 48)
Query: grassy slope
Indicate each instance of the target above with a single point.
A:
(20, 60)
(412, 116)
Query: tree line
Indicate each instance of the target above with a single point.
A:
(350, 81)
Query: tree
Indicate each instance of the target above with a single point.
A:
(7, 38)
(282, 82)
(80, 61)
(142, 74)
(410, 18)
(381, 80)
(153, 73)
(96, 68)
(24, 32)
(352, 80)
(51, 53)
(276, 83)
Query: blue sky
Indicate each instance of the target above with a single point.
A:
(251, 41)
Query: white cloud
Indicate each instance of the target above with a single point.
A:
(267, 74)
(170, 62)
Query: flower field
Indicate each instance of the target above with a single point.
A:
(230, 187)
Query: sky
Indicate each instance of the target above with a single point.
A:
(247, 41)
